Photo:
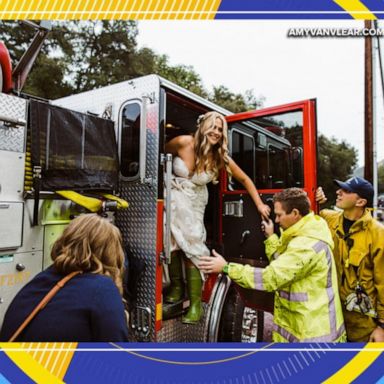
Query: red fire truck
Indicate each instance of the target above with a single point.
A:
(275, 146)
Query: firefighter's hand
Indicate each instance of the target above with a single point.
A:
(320, 196)
(377, 335)
(264, 211)
(212, 264)
(267, 227)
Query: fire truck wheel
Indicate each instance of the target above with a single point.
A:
(239, 323)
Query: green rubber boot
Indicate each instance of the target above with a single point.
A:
(176, 290)
(195, 285)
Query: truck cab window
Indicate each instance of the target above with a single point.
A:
(262, 179)
(130, 140)
(242, 152)
(288, 127)
(277, 161)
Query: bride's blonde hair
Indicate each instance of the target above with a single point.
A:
(220, 158)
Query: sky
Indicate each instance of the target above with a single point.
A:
(259, 55)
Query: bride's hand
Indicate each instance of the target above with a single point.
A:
(264, 210)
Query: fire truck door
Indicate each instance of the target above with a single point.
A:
(139, 154)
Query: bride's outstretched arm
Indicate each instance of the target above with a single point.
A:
(242, 177)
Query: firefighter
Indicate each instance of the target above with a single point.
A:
(359, 257)
(302, 273)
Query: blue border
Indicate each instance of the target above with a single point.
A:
(289, 363)
(204, 363)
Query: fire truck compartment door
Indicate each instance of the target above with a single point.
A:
(11, 224)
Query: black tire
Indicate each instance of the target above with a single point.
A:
(231, 322)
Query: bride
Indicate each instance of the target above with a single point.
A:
(197, 162)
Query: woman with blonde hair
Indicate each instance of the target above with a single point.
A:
(89, 307)
(197, 161)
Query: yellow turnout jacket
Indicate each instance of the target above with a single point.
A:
(362, 260)
(303, 275)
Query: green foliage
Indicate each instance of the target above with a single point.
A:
(102, 53)
(182, 75)
(83, 55)
(336, 160)
(381, 178)
(47, 78)
(235, 102)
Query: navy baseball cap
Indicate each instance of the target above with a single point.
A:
(357, 185)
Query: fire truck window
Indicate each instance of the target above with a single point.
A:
(130, 140)
(277, 161)
(289, 127)
(242, 149)
(261, 168)
(297, 166)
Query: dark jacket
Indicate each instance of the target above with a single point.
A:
(88, 308)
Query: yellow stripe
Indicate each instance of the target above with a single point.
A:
(50, 357)
(66, 360)
(103, 9)
(214, 7)
(189, 9)
(356, 6)
(357, 365)
(28, 365)
(195, 9)
(159, 311)
(175, 5)
(165, 7)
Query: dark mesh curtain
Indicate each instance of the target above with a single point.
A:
(76, 151)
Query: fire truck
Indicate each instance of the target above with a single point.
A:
(107, 146)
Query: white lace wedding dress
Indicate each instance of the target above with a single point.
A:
(189, 197)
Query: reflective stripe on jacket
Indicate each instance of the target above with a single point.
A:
(302, 272)
(364, 261)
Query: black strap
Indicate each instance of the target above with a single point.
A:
(35, 158)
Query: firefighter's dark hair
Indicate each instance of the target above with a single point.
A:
(292, 198)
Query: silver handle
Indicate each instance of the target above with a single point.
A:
(143, 141)
(167, 162)
(244, 236)
(12, 121)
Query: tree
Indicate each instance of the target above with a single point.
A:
(183, 75)
(336, 160)
(47, 78)
(83, 55)
(103, 53)
(235, 102)
(381, 178)
(77, 55)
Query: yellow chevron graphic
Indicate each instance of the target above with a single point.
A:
(357, 365)
(109, 9)
(356, 8)
(42, 362)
